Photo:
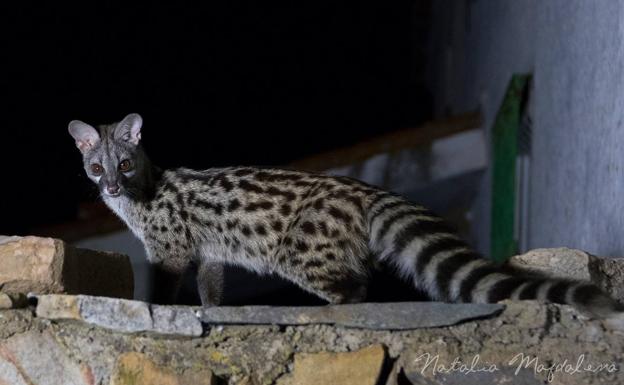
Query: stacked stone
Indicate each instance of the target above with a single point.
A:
(34, 265)
(86, 330)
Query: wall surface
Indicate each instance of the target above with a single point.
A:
(578, 158)
(574, 50)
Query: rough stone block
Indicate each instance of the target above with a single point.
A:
(36, 358)
(120, 315)
(5, 301)
(176, 320)
(361, 367)
(13, 300)
(137, 369)
(606, 273)
(47, 265)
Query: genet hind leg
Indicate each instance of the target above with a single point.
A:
(210, 283)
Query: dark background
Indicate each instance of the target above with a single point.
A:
(236, 83)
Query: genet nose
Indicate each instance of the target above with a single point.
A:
(112, 189)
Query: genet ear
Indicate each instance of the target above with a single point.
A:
(85, 135)
(129, 129)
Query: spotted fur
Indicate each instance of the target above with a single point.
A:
(321, 232)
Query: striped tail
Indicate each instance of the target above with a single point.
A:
(427, 250)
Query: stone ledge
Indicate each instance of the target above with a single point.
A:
(121, 315)
(380, 316)
(128, 316)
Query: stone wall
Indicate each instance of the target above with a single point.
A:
(58, 336)
(37, 350)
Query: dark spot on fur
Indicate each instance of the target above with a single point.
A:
(170, 187)
(330, 256)
(260, 229)
(190, 197)
(302, 246)
(195, 219)
(267, 176)
(251, 187)
(312, 263)
(285, 210)
(180, 200)
(230, 224)
(308, 227)
(357, 202)
(289, 195)
(277, 225)
(246, 230)
(216, 207)
(170, 208)
(264, 205)
(340, 214)
(225, 183)
(322, 246)
(319, 204)
(233, 205)
(302, 183)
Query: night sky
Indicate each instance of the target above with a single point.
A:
(228, 84)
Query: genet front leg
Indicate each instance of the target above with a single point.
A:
(168, 267)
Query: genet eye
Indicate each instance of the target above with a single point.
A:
(124, 165)
(97, 169)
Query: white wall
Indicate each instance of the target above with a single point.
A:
(575, 50)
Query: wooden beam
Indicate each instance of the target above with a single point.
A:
(392, 142)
